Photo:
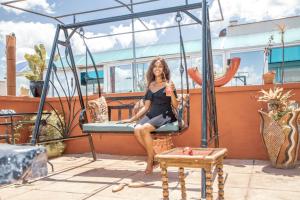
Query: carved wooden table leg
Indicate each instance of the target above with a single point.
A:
(220, 181)
(164, 178)
(209, 182)
(182, 182)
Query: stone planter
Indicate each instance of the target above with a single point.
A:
(281, 138)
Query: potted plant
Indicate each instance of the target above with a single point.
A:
(269, 77)
(279, 128)
(52, 128)
(37, 65)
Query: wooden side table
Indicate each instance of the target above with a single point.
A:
(205, 158)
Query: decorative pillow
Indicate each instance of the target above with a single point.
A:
(98, 110)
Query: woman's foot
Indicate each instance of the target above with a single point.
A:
(149, 168)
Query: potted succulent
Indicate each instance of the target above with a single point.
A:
(37, 65)
(279, 128)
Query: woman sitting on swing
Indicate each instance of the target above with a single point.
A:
(159, 98)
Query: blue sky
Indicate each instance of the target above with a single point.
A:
(31, 29)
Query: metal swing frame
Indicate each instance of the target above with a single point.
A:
(208, 92)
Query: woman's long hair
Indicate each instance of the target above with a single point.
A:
(166, 71)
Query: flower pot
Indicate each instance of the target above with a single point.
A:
(269, 77)
(281, 138)
(55, 149)
(36, 88)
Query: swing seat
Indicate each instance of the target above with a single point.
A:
(116, 126)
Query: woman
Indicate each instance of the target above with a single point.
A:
(159, 98)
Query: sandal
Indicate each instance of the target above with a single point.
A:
(119, 187)
(139, 184)
(149, 168)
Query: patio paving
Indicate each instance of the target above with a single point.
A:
(78, 177)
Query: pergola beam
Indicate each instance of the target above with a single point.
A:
(131, 10)
(135, 15)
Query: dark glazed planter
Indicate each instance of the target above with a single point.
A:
(36, 88)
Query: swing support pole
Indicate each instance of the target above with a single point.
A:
(204, 92)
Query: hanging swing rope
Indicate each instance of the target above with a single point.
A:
(88, 52)
(183, 69)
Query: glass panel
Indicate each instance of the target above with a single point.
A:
(174, 66)
(123, 78)
(252, 65)
(292, 74)
(141, 70)
(217, 62)
(289, 68)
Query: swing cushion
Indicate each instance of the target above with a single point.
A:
(116, 126)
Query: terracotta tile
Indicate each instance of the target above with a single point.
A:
(273, 182)
(264, 167)
(264, 194)
(49, 195)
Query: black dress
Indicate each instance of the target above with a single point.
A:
(160, 112)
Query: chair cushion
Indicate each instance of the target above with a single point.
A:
(115, 126)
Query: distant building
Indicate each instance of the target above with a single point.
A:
(247, 41)
(2, 88)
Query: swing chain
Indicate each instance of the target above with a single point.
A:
(178, 17)
(81, 32)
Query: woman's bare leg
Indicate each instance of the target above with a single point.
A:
(148, 141)
(138, 132)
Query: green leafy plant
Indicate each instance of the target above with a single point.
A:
(53, 129)
(278, 102)
(37, 63)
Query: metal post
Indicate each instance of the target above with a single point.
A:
(77, 83)
(45, 88)
(134, 52)
(204, 92)
(212, 101)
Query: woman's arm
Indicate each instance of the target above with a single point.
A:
(140, 113)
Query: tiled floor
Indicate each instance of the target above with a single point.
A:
(77, 177)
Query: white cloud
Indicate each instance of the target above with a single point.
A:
(30, 4)
(124, 39)
(142, 38)
(95, 45)
(27, 35)
(252, 11)
(30, 34)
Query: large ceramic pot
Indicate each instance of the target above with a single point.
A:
(36, 88)
(281, 139)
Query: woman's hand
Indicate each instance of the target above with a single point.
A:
(171, 85)
(125, 121)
